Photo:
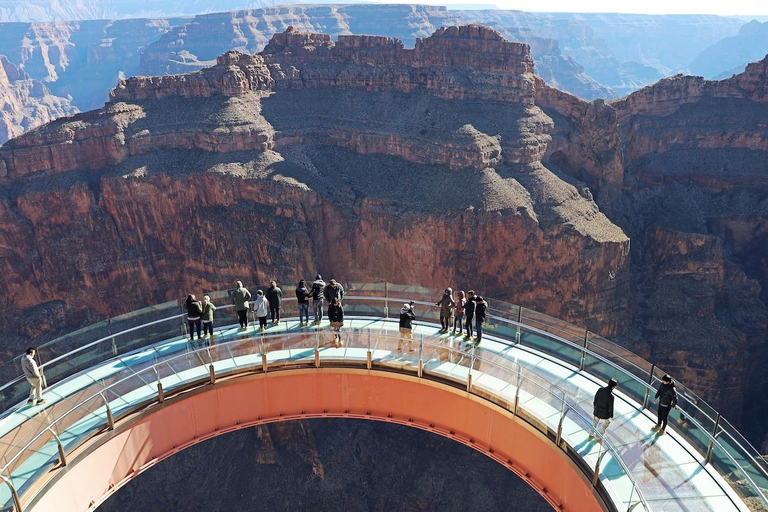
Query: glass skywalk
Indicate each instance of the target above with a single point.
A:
(527, 363)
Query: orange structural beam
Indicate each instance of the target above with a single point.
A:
(108, 461)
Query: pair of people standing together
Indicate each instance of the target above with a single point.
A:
(666, 396)
(472, 310)
(199, 314)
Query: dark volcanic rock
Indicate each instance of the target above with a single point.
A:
(328, 465)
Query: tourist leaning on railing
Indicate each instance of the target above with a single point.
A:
(333, 290)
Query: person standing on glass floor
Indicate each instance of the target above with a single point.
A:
(33, 376)
(603, 408)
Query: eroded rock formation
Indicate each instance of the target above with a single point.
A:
(446, 163)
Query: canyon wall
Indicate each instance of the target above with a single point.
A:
(446, 163)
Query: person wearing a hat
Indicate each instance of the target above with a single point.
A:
(407, 316)
(603, 407)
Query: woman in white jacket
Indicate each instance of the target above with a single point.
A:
(261, 308)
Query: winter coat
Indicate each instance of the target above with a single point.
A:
(318, 287)
(29, 366)
(261, 307)
(460, 302)
(667, 394)
(240, 298)
(194, 309)
(407, 318)
(335, 313)
(274, 296)
(302, 294)
(469, 308)
(446, 304)
(603, 403)
(331, 293)
(480, 307)
(208, 309)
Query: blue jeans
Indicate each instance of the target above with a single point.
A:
(304, 311)
(317, 304)
(479, 329)
(458, 323)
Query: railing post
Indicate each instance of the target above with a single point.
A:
(14, 494)
(114, 345)
(596, 475)
(386, 300)
(471, 367)
(519, 321)
(647, 397)
(212, 374)
(717, 425)
(369, 355)
(160, 394)
(317, 349)
(421, 353)
(110, 418)
(62, 454)
(563, 413)
(517, 388)
(584, 351)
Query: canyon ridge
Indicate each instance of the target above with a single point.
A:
(642, 219)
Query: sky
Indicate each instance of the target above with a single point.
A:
(723, 8)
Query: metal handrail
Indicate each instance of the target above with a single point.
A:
(110, 421)
(519, 324)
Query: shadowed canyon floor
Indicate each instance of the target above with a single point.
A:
(351, 465)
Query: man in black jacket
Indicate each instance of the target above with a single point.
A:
(667, 398)
(603, 407)
(274, 296)
(469, 312)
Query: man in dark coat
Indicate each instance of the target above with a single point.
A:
(667, 398)
(274, 296)
(603, 407)
(469, 312)
(407, 316)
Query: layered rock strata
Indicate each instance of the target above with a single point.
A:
(360, 158)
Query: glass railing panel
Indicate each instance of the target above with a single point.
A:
(628, 384)
(498, 323)
(554, 326)
(75, 362)
(639, 373)
(732, 473)
(166, 329)
(414, 292)
(145, 315)
(131, 391)
(551, 347)
(744, 453)
(183, 369)
(620, 355)
(494, 378)
(366, 307)
(14, 393)
(446, 358)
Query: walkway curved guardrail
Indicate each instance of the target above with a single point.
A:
(714, 437)
(98, 410)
